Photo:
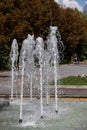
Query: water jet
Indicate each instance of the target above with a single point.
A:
(48, 61)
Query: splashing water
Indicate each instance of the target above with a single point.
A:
(39, 53)
(13, 59)
(52, 47)
(39, 73)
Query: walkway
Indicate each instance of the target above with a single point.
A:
(64, 70)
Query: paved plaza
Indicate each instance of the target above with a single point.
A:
(72, 70)
(64, 91)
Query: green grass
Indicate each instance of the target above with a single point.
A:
(72, 80)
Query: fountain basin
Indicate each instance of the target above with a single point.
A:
(4, 104)
(63, 92)
(72, 115)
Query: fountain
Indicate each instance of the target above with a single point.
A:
(13, 59)
(47, 60)
(26, 61)
(38, 113)
(71, 116)
(52, 47)
(40, 55)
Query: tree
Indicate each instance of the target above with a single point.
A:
(84, 49)
(18, 18)
(72, 29)
(16, 21)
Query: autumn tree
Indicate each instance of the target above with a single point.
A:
(17, 19)
(72, 28)
(5, 30)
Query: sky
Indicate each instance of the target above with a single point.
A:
(74, 3)
(82, 2)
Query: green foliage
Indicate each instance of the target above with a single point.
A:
(72, 80)
(84, 49)
(4, 57)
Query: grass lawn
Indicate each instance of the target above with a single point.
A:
(72, 80)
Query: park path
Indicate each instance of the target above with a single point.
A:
(72, 70)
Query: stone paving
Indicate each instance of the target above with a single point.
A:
(72, 69)
(63, 91)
